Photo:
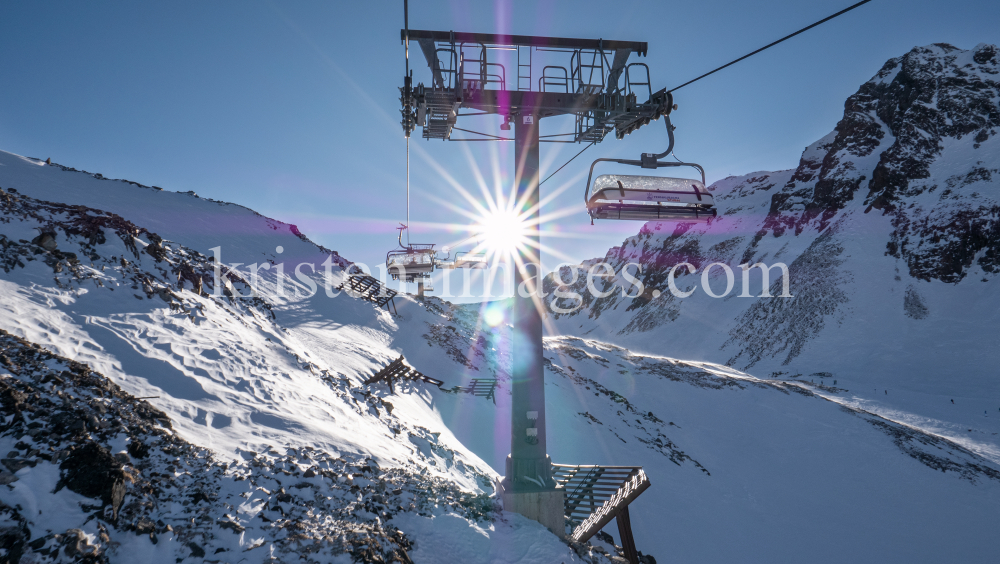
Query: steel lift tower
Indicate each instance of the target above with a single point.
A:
(598, 86)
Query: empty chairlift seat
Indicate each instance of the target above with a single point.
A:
(471, 260)
(464, 260)
(649, 198)
(414, 261)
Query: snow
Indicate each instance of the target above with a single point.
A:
(789, 474)
(742, 468)
(232, 379)
(517, 540)
(50, 512)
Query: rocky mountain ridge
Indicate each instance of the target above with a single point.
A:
(889, 227)
(914, 113)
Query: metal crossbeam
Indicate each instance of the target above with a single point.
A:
(483, 387)
(597, 494)
(399, 370)
(438, 110)
(497, 39)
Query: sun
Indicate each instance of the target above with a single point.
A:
(502, 232)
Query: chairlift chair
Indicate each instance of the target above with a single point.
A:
(411, 261)
(468, 259)
(649, 198)
(463, 259)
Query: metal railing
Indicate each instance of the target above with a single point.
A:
(552, 80)
(594, 67)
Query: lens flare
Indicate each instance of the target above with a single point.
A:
(502, 232)
(494, 315)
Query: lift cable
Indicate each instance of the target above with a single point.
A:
(567, 162)
(807, 28)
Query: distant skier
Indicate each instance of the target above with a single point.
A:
(952, 401)
(887, 392)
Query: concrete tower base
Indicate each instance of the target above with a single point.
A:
(546, 507)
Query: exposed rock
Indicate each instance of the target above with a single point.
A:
(86, 228)
(91, 471)
(917, 144)
(167, 475)
(144, 526)
(46, 239)
(196, 550)
(15, 464)
(913, 304)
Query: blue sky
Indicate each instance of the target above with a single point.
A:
(291, 108)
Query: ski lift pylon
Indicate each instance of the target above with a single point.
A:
(649, 198)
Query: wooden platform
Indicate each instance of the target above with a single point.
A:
(370, 289)
(597, 494)
(399, 370)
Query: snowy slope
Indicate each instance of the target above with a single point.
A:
(260, 391)
(262, 381)
(750, 470)
(247, 378)
(889, 227)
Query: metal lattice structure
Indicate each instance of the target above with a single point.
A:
(399, 370)
(596, 84)
(597, 494)
(370, 289)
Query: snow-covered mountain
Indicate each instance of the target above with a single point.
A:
(221, 427)
(890, 230)
(152, 416)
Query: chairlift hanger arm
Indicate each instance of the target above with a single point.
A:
(401, 228)
(670, 137)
